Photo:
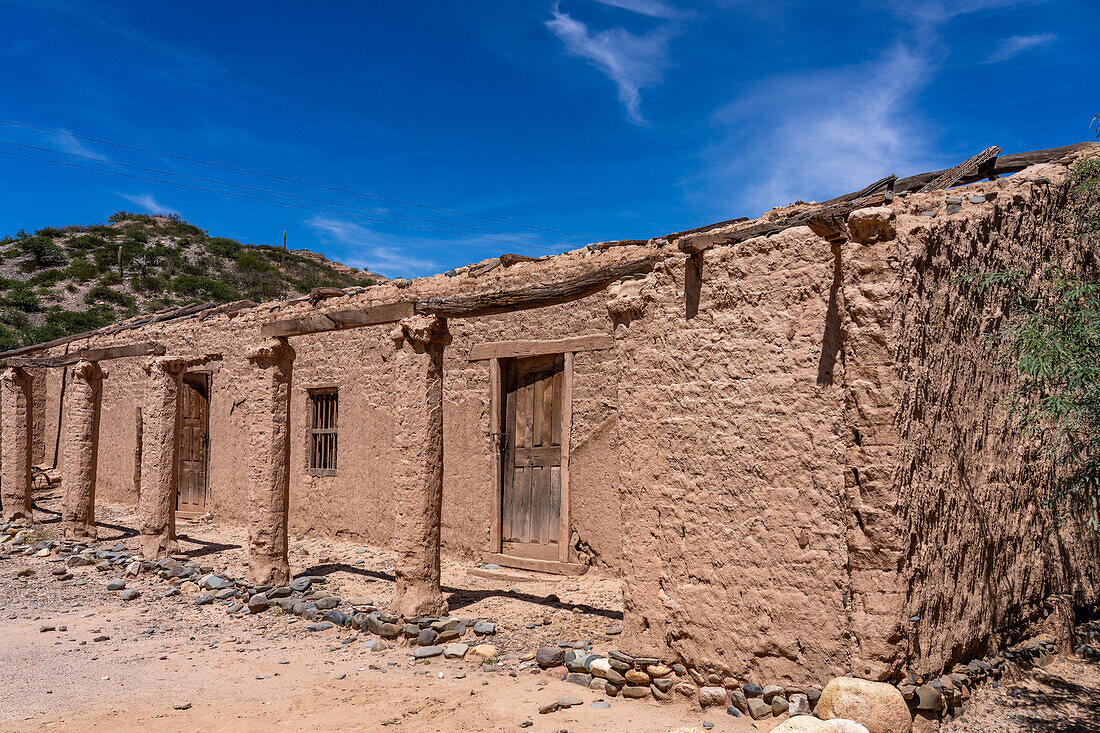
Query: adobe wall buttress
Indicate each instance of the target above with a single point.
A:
(732, 490)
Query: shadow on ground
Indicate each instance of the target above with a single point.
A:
(1076, 707)
(462, 597)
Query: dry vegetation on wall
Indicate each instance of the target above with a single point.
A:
(58, 282)
(1052, 338)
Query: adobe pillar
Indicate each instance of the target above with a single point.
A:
(157, 501)
(418, 483)
(15, 442)
(80, 451)
(268, 469)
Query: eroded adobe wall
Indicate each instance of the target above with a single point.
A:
(732, 480)
(978, 553)
(358, 501)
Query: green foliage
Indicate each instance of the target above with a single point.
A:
(148, 283)
(49, 277)
(1052, 336)
(224, 247)
(59, 323)
(128, 216)
(201, 288)
(81, 270)
(251, 262)
(42, 250)
(165, 262)
(22, 298)
(86, 243)
(15, 318)
(100, 293)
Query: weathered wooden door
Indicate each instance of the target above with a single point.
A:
(531, 485)
(194, 421)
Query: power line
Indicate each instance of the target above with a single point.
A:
(282, 178)
(258, 198)
(280, 193)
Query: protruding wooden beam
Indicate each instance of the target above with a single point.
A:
(970, 166)
(146, 348)
(537, 296)
(463, 306)
(373, 315)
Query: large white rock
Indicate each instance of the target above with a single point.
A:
(877, 705)
(599, 667)
(804, 724)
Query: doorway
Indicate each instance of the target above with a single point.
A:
(193, 444)
(531, 481)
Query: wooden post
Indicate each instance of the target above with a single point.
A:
(496, 445)
(565, 532)
(269, 469)
(418, 484)
(15, 457)
(80, 451)
(157, 501)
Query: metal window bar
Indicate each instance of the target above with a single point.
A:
(322, 446)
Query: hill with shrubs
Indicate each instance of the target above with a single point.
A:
(58, 282)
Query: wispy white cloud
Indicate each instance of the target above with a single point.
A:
(366, 248)
(632, 61)
(73, 146)
(1016, 45)
(819, 133)
(148, 203)
(652, 8)
(822, 132)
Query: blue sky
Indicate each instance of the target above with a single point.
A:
(603, 119)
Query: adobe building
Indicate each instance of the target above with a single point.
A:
(787, 436)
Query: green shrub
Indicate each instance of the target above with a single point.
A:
(224, 247)
(204, 289)
(128, 216)
(61, 323)
(148, 283)
(102, 293)
(49, 232)
(49, 277)
(42, 250)
(251, 262)
(81, 270)
(22, 298)
(15, 318)
(10, 339)
(86, 243)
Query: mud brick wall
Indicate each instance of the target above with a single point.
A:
(733, 484)
(978, 554)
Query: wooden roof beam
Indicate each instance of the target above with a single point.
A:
(536, 296)
(463, 306)
(147, 348)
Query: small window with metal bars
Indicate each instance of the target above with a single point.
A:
(322, 432)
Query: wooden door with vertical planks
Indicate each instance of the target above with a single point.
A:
(194, 421)
(531, 484)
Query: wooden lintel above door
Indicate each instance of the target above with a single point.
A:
(526, 347)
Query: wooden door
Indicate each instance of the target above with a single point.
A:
(531, 485)
(194, 423)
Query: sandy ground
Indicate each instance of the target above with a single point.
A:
(244, 673)
(1063, 697)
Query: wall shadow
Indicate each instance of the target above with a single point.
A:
(831, 340)
(461, 597)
